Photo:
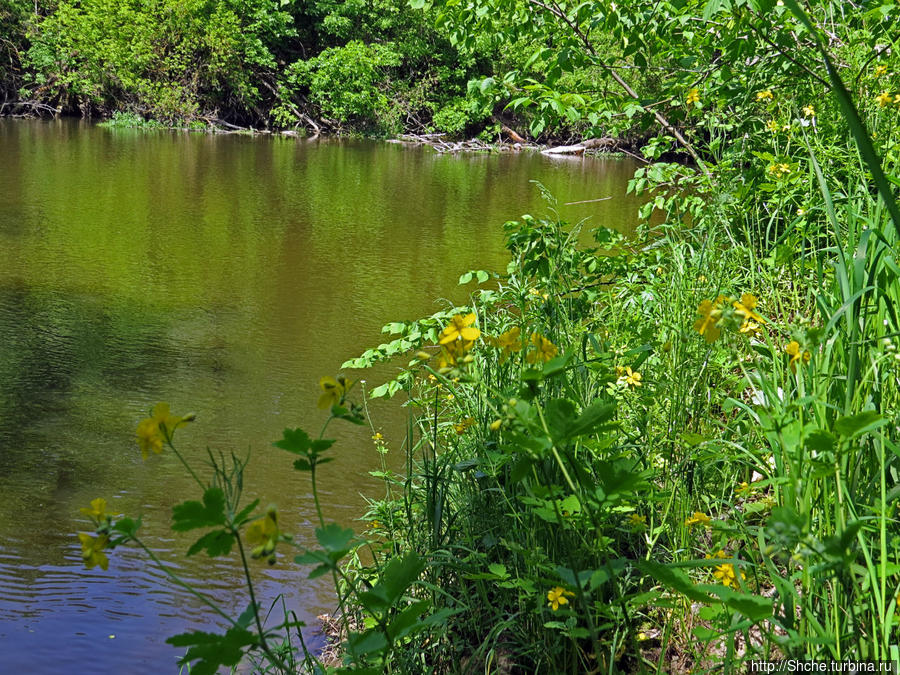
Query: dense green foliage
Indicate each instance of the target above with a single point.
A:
(376, 66)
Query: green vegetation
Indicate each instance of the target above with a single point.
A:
(677, 452)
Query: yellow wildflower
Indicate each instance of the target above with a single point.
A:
(262, 534)
(630, 378)
(92, 550)
(496, 424)
(793, 348)
(460, 328)
(98, 510)
(508, 342)
(744, 489)
(772, 126)
(693, 96)
(544, 349)
(699, 518)
(452, 353)
(726, 574)
(765, 95)
(750, 328)
(880, 70)
(744, 307)
(556, 596)
(710, 312)
(809, 111)
(333, 391)
(637, 521)
(377, 437)
(148, 437)
(883, 99)
(461, 427)
(153, 431)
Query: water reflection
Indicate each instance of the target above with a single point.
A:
(224, 275)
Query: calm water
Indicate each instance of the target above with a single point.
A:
(224, 275)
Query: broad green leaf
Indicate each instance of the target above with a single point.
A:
(674, 578)
(213, 650)
(408, 620)
(333, 538)
(754, 607)
(193, 514)
(863, 422)
(215, 543)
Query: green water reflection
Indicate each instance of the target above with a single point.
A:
(224, 275)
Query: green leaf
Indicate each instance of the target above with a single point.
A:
(863, 422)
(754, 607)
(368, 642)
(408, 620)
(127, 526)
(674, 578)
(594, 418)
(216, 543)
(192, 514)
(213, 650)
(296, 441)
(333, 538)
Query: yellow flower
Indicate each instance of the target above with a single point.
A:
(750, 328)
(460, 328)
(772, 126)
(496, 424)
(508, 342)
(92, 550)
(377, 436)
(779, 170)
(744, 307)
(153, 431)
(693, 96)
(452, 353)
(744, 489)
(765, 95)
(718, 554)
(630, 378)
(699, 518)
(880, 70)
(98, 510)
(461, 427)
(544, 349)
(809, 111)
(333, 391)
(883, 99)
(148, 437)
(556, 596)
(262, 534)
(793, 348)
(726, 574)
(710, 312)
(636, 521)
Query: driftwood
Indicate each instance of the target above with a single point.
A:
(579, 148)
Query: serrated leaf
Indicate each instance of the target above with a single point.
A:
(215, 543)
(193, 514)
(211, 650)
(296, 441)
(674, 578)
(333, 538)
(863, 422)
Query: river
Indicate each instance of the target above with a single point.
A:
(224, 275)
